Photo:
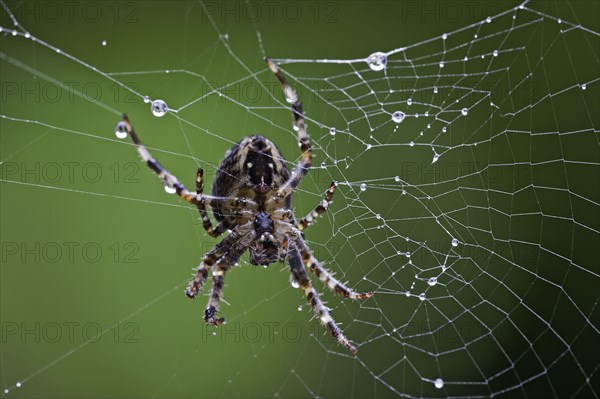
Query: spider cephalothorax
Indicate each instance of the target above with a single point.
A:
(252, 199)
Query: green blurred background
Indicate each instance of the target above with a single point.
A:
(95, 255)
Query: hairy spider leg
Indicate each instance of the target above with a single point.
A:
(319, 209)
(305, 163)
(326, 276)
(171, 181)
(218, 271)
(202, 208)
(299, 274)
(207, 263)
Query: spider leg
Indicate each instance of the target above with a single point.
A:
(327, 278)
(202, 208)
(305, 163)
(319, 209)
(207, 263)
(167, 178)
(171, 181)
(299, 274)
(218, 272)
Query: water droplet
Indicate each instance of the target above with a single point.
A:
(6, 390)
(435, 158)
(407, 254)
(441, 64)
(488, 19)
(14, 33)
(429, 126)
(404, 193)
(332, 131)
(521, 7)
(363, 187)
(377, 61)
(147, 99)
(407, 293)
(583, 86)
(495, 53)
(444, 129)
(439, 383)
(559, 21)
(214, 333)
(466, 58)
(369, 146)
(104, 42)
(464, 111)
(159, 108)
(475, 36)
(454, 242)
(397, 178)
(299, 308)
(445, 36)
(27, 35)
(432, 281)
(435, 90)
(169, 190)
(412, 144)
(18, 385)
(409, 101)
(293, 282)
(398, 116)
(422, 296)
(121, 130)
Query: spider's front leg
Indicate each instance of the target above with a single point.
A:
(305, 163)
(169, 180)
(299, 274)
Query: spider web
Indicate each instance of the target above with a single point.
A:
(468, 200)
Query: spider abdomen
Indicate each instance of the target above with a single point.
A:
(254, 168)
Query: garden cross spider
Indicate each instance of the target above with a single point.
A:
(252, 199)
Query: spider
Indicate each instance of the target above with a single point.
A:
(252, 200)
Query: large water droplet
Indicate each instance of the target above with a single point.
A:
(397, 178)
(439, 383)
(377, 61)
(332, 131)
(398, 116)
(159, 108)
(432, 281)
(464, 111)
(495, 53)
(445, 36)
(104, 42)
(363, 187)
(583, 86)
(488, 19)
(409, 101)
(422, 296)
(121, 130)
(454, 242)
(435, 158)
